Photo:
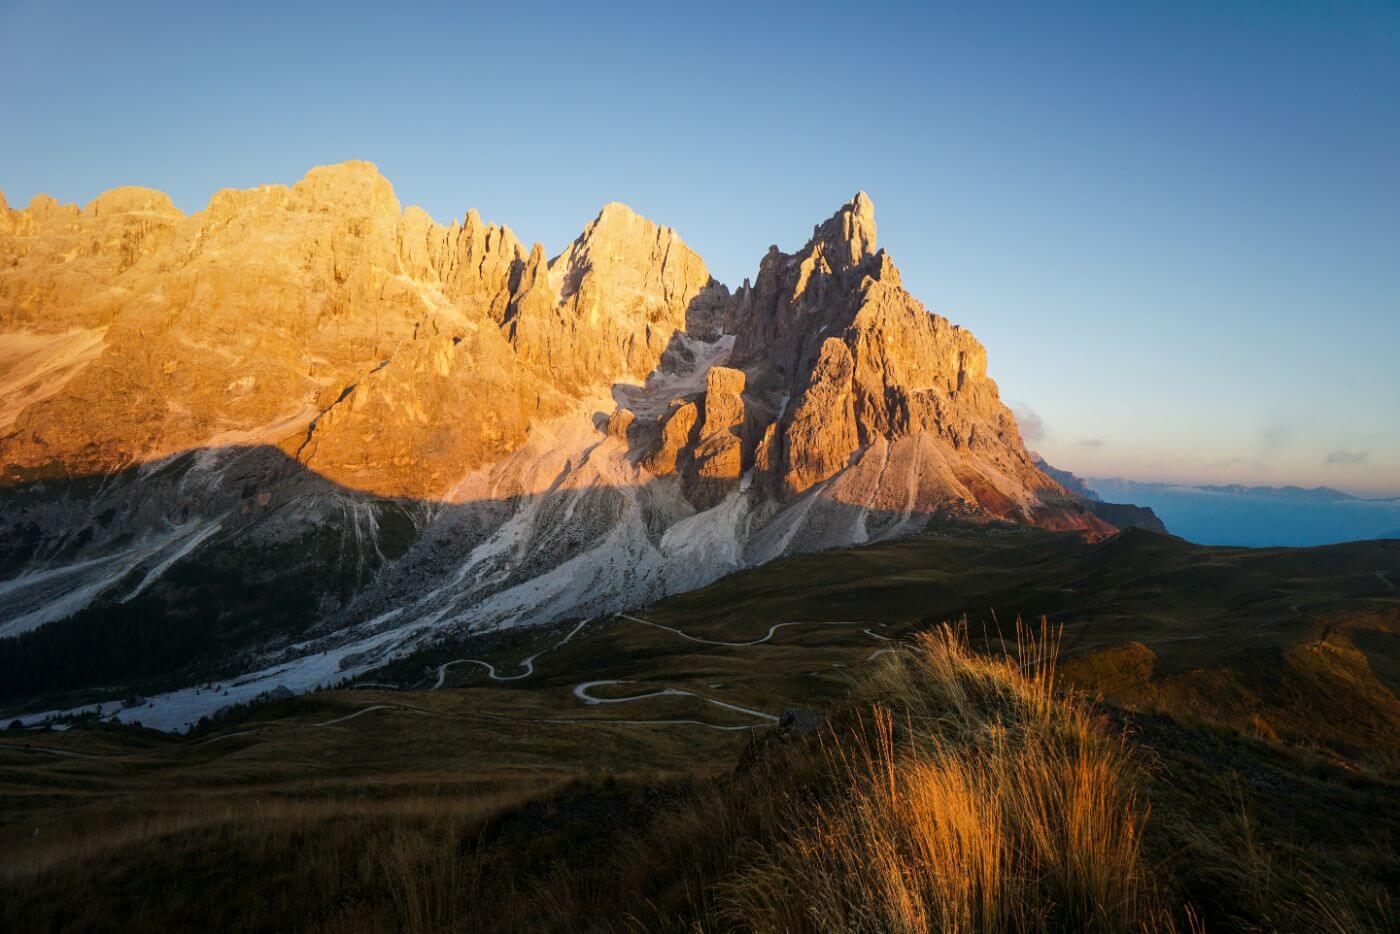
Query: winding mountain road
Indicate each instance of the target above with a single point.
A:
(771, 630)
(218, 739)
(527, 663)
(581, 691)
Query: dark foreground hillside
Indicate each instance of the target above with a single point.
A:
(801, 747)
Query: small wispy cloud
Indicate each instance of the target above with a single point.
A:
(1090, 443)
(1031, 425)
(1340, 456)
(1277, 434)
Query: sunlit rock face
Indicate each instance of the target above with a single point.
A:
(886, 404)
(383, 350)
(420, 430)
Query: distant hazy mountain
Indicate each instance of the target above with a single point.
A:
(1258, 516)
(1317, 494)
(1064, 478)
(1120, 515)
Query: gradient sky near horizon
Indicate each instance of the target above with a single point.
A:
(1175, 226)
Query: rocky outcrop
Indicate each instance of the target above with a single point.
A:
(833, 362)
(798, 300)
(392, 354)
(822, 433)
(676, 437)
(722, 449)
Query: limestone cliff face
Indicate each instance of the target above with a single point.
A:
(799, 300)
(625, 286)
(386, 351)
(853, 368)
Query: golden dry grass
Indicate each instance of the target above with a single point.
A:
(975, 797)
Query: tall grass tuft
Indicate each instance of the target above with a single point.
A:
(975, 796)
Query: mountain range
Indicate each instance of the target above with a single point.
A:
(306, 431)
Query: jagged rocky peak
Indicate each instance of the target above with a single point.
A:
(844, 365)
(848, 236)
(798, 300)
(625, 288)
(635, 264)
(325, 320)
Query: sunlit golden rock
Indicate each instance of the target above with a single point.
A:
(393, 355)
(384, 350)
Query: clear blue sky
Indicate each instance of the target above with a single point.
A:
(1176, 226)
